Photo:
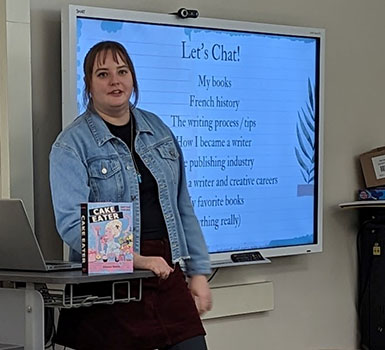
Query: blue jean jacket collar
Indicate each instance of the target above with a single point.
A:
(102, 134)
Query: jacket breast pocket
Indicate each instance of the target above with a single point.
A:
(106, 179)
(169, 154)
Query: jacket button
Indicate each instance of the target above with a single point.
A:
(104, 171)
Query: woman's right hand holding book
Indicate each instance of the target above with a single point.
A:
(156, 264)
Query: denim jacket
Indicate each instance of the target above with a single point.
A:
(89, 164)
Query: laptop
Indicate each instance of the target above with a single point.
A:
(19, 248)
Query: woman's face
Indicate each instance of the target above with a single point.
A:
(111, 85)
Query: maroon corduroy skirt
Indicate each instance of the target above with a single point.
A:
(166, 314)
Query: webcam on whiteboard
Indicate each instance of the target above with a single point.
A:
(187, 13)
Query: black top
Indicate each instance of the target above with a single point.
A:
(152, 221)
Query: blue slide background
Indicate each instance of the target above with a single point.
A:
(234, 101)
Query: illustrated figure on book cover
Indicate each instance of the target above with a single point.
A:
(108, 237)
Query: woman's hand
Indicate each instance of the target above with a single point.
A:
(156, 264)
(201, 293)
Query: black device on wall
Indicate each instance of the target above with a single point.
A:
(371, 270)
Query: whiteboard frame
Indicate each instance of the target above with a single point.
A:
(69, 105)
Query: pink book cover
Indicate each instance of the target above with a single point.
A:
(107, 237)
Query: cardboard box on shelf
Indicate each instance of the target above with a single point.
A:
(373, 167)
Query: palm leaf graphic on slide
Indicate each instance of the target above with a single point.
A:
(305, 136)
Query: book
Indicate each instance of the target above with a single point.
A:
(376, 193)
(107, 237)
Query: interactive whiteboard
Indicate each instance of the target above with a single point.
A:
(245, 101)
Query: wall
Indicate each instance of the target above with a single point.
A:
(4, 140)
(314, 295)
(16, 159)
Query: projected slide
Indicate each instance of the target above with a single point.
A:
(242, 108)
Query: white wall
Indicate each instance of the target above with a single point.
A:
(16, 159)
(4, 139)
(314, 295)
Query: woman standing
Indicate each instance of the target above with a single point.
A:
(115, 152)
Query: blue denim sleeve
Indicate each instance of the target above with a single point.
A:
(69, 188)
(199, 264)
